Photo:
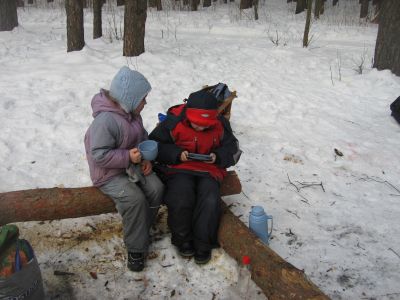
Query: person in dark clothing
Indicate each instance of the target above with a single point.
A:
(193, 187)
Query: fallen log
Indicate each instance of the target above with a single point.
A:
(277, 278)
(64, 203)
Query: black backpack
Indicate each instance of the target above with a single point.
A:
(395, 107)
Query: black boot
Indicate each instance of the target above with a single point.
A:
(186, 249)
(202, 257)
(135, 261)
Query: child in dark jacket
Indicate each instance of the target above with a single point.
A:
(193, 187)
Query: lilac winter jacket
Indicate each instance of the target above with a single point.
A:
(109, 138)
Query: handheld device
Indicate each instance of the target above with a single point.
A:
(199, 157)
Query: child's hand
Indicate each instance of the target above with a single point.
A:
(146, 167)
(184, 156)
(214, 157)
(135, 156)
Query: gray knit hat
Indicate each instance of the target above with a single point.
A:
(129, 87)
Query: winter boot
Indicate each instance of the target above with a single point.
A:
(186, 249)
(135, 261)
(202, 257)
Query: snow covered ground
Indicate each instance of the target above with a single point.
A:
(336, 217)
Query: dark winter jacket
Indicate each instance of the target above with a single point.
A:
(175, 135)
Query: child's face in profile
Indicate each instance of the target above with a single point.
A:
(140, 107)
(197, 127)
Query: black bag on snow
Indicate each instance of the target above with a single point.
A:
(395, 107)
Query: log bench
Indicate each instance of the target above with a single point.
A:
(277, 278)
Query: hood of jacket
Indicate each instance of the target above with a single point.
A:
(100, 103)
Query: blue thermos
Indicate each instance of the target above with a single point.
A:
(258, 223)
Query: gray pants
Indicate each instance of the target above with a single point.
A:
(138, 205)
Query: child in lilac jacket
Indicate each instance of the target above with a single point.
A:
(111, 147)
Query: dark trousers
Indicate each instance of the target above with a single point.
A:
(194, 209)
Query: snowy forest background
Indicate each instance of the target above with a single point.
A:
(295, 106)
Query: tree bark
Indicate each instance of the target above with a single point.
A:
(300, 6)
(277, 278)
(97, 23)
(62, 203)
(255, 4)
(152, 3)
(245, 4)
(387, 49)
(8, 15)
(194, 4)
(159, 5)
(134, 27)
(308, 22)
(75, 30)
(319, 8)
(377, 4)
(364, 8)
(206, 3)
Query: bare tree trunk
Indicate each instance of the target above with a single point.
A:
(387, 49)
(8, 15)
(255, 4)
(194, 4)
(134, 27)
(300, 6)
(317, 8)
(308, 22)
(377, 4)
(159, 5)
(245, 4)
(97, 24)
(364, 8)
(75, 30)
(152, 3)
(206, 3)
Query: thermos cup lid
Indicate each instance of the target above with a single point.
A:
(257, 210)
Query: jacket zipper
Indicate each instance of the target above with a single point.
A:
(195, 144)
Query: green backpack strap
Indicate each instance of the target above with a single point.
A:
(8, 235)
